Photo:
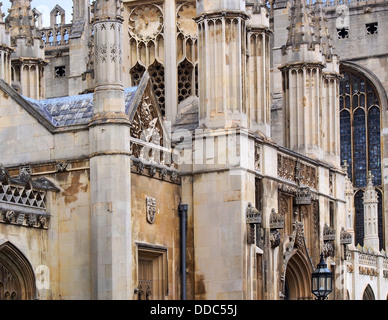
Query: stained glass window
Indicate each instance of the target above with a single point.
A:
(360, 165)
(360, 130)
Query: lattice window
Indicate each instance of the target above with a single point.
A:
(185, 80)
(187, 55)
(360, 123)
(136, 74)
(156, 71)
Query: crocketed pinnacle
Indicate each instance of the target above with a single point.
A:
(104, 10)
(21, 20)
(301, 28)
(322, 31)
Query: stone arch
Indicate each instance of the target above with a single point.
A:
(17, 278)
(298, 277)
(368, 293)
(372, 78)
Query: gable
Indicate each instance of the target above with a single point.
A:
(150, 138)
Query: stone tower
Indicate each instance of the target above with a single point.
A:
(258, 68)
(222, 48)
(308, 65)
(224, 182)
(371, 236)
(5, 51)
(110, 162)
(28, 59)
(330, 90)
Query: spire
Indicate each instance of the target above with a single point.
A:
(21, 20)
(108, 10)
(321, 30)
(301, 29)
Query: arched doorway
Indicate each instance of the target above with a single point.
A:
(17, 279)
(368, 293)
(298, 278)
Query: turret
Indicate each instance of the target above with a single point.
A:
(5, 50)
(309, 64)
(222, 63)
(28, 59)
(110, 162)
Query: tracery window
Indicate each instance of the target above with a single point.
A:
(360, 133)
(146, 42)
(187, 55)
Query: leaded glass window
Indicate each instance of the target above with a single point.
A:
(360, 134)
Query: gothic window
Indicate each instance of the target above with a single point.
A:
(187, 55)
(185, 78)
(343, 33)
(136, 74)
(156, 71)
(44, 39)
(360, 134)
(371, 28)
(60, 72)
(51, 39)
(146, 47)
(66, 36)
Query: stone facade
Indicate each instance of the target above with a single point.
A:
(227, 106)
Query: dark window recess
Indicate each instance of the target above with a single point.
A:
(60, 72)
(343, 33)
(371, 28)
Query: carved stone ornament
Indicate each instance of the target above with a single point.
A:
(276, 220)
(328, 233)
(9, 216)
(345, 237)
(328, 249)
(303, 196)
(151, 210)
(61, 166)
(253, 215)
(275, 238)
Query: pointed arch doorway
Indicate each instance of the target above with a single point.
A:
(17, 278)
(298, 278)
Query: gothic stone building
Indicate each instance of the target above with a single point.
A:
(266, 119)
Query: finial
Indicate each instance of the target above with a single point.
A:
(345, 166)
(370, 177)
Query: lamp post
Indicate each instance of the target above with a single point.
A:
(322, 280)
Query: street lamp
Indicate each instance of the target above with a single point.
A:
(322, 280)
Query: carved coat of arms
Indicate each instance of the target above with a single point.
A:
(151, 210)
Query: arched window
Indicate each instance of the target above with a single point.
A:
(360, 134)
(368, 293)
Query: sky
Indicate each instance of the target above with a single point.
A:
(45, 7)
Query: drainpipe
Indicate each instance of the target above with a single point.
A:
(183, 214)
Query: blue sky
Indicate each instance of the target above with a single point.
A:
(45, 7)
